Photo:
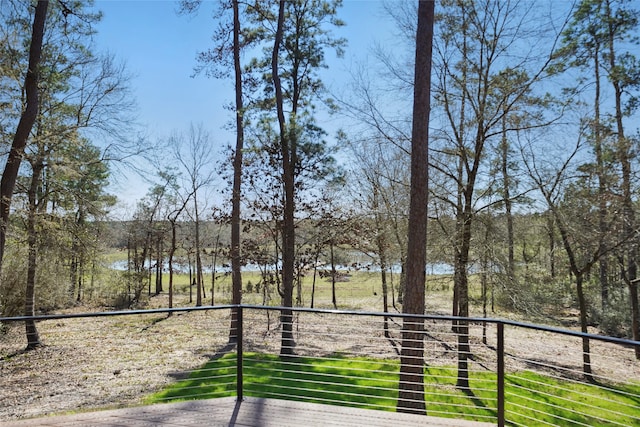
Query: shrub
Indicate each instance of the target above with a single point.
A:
(129, 289)
(533, 292)
(52, 283)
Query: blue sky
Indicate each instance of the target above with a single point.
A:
(159, 48)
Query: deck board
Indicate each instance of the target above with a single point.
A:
(249, 412)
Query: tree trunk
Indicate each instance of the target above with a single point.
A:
(214, 262)
(149, 252)
(77, 267)
(602, 185)
(315, 274)
(411, 386)
(198, 260)
(552, 244)
(586, 352)
(457, 275)
(484, 281)
(33, 338)
(27, 119)
(461, 281)
(635, 314)
(73, 279)
(159, 262)
(298, 282)
(236, 274)
(506, 184)
(287, 148)
(616, 70)
(578, 273)
(172, 251)
(383, 278)
(80, 279)
(333, 276)
(629, 225)
(191, 280)
(381, 244)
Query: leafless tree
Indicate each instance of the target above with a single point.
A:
(194, 153)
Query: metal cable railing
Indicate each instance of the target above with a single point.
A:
(561, 393)
(502, 372)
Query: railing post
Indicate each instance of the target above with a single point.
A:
(500, 368)
(239, 367)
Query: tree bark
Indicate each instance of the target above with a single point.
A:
(461, 280)
(159, 262)
(484, 279)
(411, 392)
(625, 155)
(236, 274)
(582, 304)
(381, 243)
(506, 188)
(333, 275)
(33, 338)
(579, 276)
(457, 274)
(552, 244)
(172, 251)
(198, 260)
(315, 274)
(288, 223)
(635, 314)
(27, 119)
(602, 187)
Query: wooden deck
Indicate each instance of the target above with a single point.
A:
(249, 412)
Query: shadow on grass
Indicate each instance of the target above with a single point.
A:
(335, 379)
(217, 378)
(154, 322)
(556, 401)
(478, 402)
(373, 383)
(224, 351)
(627, 392)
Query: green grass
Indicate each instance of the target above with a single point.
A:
(567, 402)
(216, 379)
(532, 398)
(367, 382)
(361, 289)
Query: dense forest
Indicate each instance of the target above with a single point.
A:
(533, 159)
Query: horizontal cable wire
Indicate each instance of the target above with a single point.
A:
(333, 338)
(578, 382)
(328, 401)
(564, 419)
(209, 394)
(585, 415)
(578, 372)
(567, 408)
(328, 392)
(325, 374)
(588, 395)
(449, 414)
(536, 421)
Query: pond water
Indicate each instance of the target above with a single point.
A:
(433, 269)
